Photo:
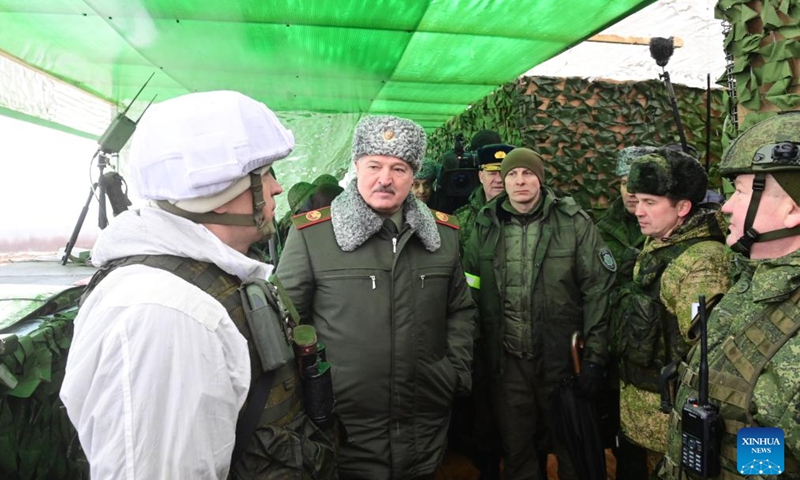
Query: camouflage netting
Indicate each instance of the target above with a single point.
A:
(579, 125)
(37, 441)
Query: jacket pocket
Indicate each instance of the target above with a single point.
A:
(430, 288)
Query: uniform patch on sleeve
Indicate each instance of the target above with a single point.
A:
(607, 259)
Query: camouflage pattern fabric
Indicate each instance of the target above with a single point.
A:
(703, 269)
(739, 156)
(37, 439)
(765, 300)
(466, 215)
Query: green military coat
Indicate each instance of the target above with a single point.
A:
(396, 316)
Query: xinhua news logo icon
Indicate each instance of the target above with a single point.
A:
(759, 451)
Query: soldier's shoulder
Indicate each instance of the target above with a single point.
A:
(314, 217)
(446, 219)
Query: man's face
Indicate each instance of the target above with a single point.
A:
(658, 216)
(384, 182)
(271, 188)
(492, 183)
(422, 189)
(774, 209)
(523, 187)
(628, 199)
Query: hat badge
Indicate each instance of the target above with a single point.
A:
(501, 154)
(388, 134)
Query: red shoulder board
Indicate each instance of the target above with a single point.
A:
(313, 217)
(445, 219)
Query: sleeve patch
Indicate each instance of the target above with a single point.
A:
(607, 259)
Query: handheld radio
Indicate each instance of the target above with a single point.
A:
(702, 425)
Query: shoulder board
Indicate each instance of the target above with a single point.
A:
(313, 217)
(445, 219)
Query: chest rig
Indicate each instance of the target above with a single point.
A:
(277, 441)
(734, 371)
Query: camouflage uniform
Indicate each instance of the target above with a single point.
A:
(753, 347)
(702, 269)
(652, 328)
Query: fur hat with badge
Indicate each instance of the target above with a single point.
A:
(668, 173)
(391, 136)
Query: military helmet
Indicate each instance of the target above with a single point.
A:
(772, 145)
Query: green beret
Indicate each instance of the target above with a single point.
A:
(325, 178)
(298, 194)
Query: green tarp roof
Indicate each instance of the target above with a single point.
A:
(422, 59)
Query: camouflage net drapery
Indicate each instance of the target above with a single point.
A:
(37, 441)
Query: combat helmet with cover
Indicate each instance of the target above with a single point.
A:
(768, 147)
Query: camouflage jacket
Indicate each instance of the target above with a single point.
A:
(702, 269)
(467, 213)
(754, 385)
(622, 235)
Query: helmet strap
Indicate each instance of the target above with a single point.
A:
(751, 236)
(267, 229)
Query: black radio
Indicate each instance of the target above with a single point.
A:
(700, 420)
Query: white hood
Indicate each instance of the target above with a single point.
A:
(151, 231)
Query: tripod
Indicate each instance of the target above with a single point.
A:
(102, 221)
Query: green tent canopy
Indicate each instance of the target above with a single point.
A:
(422, 59)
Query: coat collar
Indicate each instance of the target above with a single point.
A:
(354, 222)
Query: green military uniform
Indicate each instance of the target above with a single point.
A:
(753, 347)
(467, 213)
(755, 375)
(555, 281)
(394, 311)
(691, 262)
(622, 235)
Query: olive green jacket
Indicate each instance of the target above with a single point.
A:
(571, 277)
(395, 314)
(624, 238)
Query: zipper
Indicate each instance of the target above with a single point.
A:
(394, 244)
(373, 278)
(430, 275)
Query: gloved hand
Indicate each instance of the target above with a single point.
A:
(592, 379)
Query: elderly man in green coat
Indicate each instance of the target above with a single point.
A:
(379, 276)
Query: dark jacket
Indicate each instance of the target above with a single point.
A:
(571, 277)
(394, 312)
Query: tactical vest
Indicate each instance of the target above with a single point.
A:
(285, 444)
(732, 380)
(646, 337)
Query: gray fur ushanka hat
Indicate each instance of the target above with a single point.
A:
(669, 173)
(392, 136)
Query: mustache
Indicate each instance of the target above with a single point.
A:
(382, 189)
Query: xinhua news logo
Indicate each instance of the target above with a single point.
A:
(759, 451)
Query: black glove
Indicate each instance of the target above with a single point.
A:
(592, 378)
